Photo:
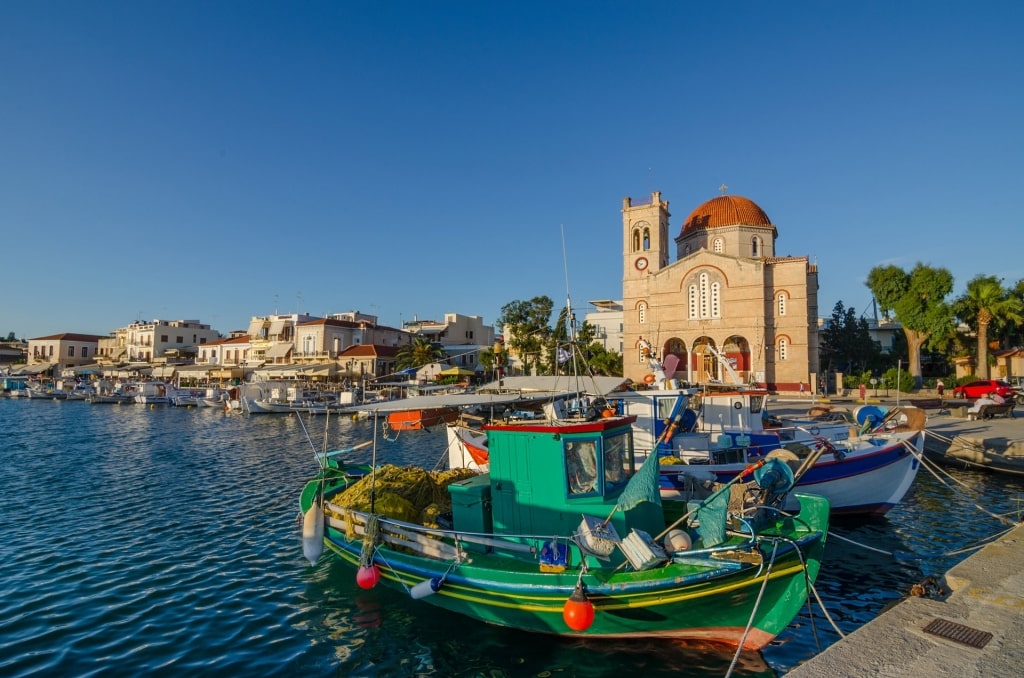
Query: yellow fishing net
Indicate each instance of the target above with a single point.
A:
(404, 493)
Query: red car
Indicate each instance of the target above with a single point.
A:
(977, 389)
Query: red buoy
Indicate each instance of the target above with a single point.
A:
(578, 611)
(367, 577)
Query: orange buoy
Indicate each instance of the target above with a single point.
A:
(367, 577)
(608, 413)
(649, 378)
(578, 611)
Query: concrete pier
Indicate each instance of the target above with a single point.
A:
(977, 630)
(987, 598)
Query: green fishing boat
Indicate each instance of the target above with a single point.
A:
(565, 536)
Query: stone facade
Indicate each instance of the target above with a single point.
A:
(726, 306)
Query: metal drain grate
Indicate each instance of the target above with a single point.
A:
(958, 633)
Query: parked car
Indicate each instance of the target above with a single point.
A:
(1018, 385)
(982, 387)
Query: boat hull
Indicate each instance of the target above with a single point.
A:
(683, 601)
(868, 480)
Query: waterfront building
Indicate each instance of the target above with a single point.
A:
(726, 303)
(324, 340)
(144, 341)
(606, 319)
(227, 352)
(367, 361)
(462, 337)
(272, 337)
(67, 349)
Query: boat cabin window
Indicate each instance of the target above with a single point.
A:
(665, 407)
(618, 461)
(755, 403)
(581, 466)
(598, 466)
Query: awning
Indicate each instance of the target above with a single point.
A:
(255, 327)
(34, 369)
(194, 371)
(163, 371)
(317, 370)
(278, 350)
(456, 371)
(276, 328)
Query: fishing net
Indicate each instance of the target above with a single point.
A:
(406, 493)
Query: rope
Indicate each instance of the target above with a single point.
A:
(369, 540)
(929, 466)
(753, 612)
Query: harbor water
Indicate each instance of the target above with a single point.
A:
(165, 541)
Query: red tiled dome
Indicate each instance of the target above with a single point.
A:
(725, 210)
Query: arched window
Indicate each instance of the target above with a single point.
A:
(755, 246)
(686, 250)
(783, 348)
(647, 238)
(704, 286)
(717, 245)
(704, 299)
(641, 313)
(636, 239)
(782, 304)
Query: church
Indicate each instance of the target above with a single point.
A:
(726, 309)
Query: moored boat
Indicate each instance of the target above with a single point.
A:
(711, 436)
(514, 551)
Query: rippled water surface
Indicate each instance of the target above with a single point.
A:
(165, 540)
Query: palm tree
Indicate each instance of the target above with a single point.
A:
(987, 301)
(421, 351)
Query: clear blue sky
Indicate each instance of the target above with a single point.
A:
(219, 160)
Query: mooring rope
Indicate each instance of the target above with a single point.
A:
(931, 467)
(753, 612)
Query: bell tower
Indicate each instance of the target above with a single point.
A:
(644, 236)
(644, 253)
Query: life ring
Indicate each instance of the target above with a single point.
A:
(649, 378)
(814, 430)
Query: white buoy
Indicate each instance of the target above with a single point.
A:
(313, 532)
(427, 587)
(677, 540)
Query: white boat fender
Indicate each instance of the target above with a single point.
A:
(427, 587)
(313, 532)
(678, 540)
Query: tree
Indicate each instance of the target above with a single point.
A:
(987, 304)
(421, 351)
(846, 344)
(918, 301)
(525, 325)
(603, 362)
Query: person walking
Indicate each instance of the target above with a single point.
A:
(940, 388)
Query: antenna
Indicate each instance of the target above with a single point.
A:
(568, 303)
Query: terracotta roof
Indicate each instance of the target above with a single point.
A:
(369, 350)
(71, 336)
(725, 210)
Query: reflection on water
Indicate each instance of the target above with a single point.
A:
(163, 539)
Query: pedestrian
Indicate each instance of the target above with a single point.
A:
(939, 388)
(863, 392)
(801, 389)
